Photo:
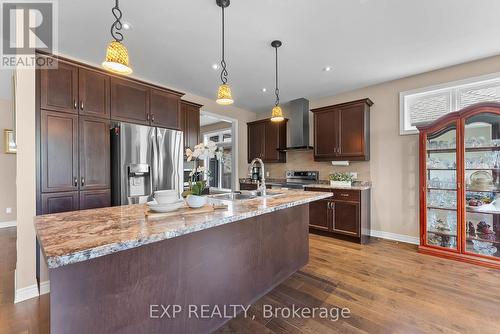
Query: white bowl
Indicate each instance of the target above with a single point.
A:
(163, 208)
(166, 196)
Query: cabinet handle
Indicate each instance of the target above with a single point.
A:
(81, 105)
(152, 117)
(147, 116)
(344, 195)
(75, 104)
(83, 181)
(75, 181)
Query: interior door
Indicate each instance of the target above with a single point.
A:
(94, 153)
(59, 151)
(346, 218)
(59, 88)
(320, 215)
(326, 133)
(351, 132)
(94, 93)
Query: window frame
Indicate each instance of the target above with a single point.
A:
(405, 127)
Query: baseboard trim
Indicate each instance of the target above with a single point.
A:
(31, 292)
(396, 237)
(12, 223)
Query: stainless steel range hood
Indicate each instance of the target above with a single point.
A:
(297, 112)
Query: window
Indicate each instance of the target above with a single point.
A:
(428, 104)
(220, 170)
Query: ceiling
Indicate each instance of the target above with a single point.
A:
(174, 43)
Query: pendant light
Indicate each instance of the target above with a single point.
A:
(277, 113)
(224, 93)
(116, 53)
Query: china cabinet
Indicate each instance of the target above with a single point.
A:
(460, 185)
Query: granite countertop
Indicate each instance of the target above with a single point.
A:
(357, 185)
(77, 236)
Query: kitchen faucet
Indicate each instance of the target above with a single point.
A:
(261, 186)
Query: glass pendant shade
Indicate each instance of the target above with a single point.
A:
(117, 58)
(224, 95)
(277, 114)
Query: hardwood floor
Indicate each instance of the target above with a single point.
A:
(388, 287)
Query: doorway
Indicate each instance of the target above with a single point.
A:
(222, 131)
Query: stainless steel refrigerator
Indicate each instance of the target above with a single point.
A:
(144, 159)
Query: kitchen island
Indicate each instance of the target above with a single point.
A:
(115, 270)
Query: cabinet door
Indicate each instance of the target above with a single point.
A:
(94, 153)
(320, 215)
(256, 138)
(59, 151)
(59, 88)
(129, 101)
(94, 199)
(192, 130)
(346, 218)
(326, 125)
(272, 141)
(352, 132)
(94, 93)
(59, 202)
(165, 109)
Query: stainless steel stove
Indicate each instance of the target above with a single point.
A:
(297, 179)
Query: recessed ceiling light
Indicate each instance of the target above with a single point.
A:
(264, 90)
(126, 25)
(328, 69)
(215, 67)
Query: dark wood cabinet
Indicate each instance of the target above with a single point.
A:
(59, 202)
(93, 93)
(59, 88)
(165, 109)
(59, 151)
(256, 132)
(251, 186)
(346, 218)
(93, 199)
(346, 214)
(94, 151)
(342, 131)
(130, 101)
(320, 215)
(267, 140)
(190, 117)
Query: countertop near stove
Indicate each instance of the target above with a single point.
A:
(323, 184)
(72, 237)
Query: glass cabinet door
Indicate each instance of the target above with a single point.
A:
(442, 194)
(482, 180)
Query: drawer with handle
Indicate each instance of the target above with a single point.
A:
(346, 195)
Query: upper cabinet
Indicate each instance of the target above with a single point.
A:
(165, 109)
(342, 131)
(59, 88)
(130, 101)
(190, 123)
(267, 140)
(93, 91)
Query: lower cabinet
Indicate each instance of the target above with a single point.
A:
(59, 202)
(95, 199)
(75, 200)
(251, 186)
(346, 214)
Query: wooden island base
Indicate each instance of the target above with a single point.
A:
(232, 264)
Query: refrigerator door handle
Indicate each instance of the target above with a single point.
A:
(154, 162)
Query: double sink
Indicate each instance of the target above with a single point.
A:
(244, 195)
